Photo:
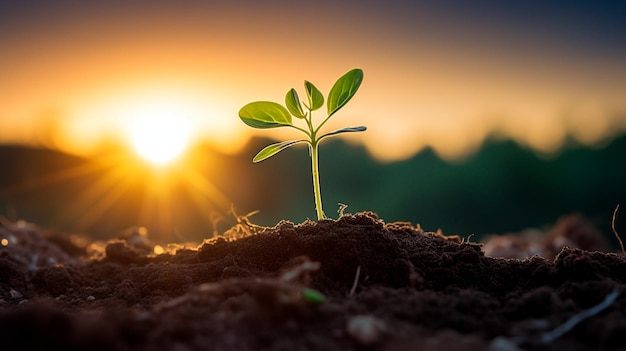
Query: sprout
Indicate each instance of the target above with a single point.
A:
(267, 114)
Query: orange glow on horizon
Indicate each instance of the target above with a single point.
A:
(77, 82)
(120, 180)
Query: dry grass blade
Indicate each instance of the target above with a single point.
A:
(356, 281)
(621, 244)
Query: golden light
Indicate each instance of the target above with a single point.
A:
(158, 250)
(160, 138)
(159, 125)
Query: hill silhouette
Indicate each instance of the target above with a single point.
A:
(502, 188)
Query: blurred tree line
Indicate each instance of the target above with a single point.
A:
(502, 188)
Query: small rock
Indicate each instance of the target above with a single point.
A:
(366, 330)
(90, 298)
(503, 344)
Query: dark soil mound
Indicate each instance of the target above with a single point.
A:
(383, 286)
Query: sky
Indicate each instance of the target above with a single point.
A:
(75, 75)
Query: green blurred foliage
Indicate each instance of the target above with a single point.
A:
(502, 188)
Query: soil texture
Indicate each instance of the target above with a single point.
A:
(355, 283)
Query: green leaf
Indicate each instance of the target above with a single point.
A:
(343, 90)
(344, 130)
(273, 149)
(313, 296)
(293, 103)
(265, 114)
(316, 98)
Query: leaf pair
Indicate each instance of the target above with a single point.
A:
(316, 100)
(275, 148)
(267, 114)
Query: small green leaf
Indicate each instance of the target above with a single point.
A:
(273, 149)
(316, 98)
(343, 90)
(293, 103)
(344, 130)
(313, 296)
(265, 114)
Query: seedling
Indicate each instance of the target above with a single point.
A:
(267, 114)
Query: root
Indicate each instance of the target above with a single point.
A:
(467, 240)
(244, 226)
(215, 218)
(341, 210)
(548, 338)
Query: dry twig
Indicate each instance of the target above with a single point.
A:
(356, 281)
(548, 338)
(621, 244)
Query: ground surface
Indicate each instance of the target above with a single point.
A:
(385, 287)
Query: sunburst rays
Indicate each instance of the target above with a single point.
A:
(120, 184)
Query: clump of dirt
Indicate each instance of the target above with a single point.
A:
(348, 284)
(571, 231)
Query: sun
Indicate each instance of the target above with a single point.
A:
(160, 139)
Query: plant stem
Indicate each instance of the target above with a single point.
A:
(316, 181)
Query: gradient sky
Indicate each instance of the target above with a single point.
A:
(446, 74)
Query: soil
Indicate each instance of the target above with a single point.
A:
(355, 283)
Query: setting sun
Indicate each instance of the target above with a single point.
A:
(160, 138)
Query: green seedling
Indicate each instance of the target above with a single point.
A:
(267, 114)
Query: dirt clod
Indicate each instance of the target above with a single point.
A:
(381, 287)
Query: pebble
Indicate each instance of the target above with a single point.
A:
(365, 329)
(503, 344)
